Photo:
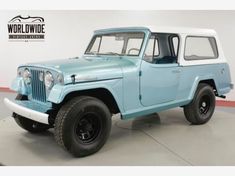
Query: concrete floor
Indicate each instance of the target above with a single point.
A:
(165, 138)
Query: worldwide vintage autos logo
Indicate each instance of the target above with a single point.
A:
(26, 29)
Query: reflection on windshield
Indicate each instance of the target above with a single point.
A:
(120, 44)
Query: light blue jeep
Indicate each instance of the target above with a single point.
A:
(133, 71)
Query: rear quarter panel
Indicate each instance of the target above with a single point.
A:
(192, 75)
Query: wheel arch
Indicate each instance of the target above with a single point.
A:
(102, 94)
(208, 80)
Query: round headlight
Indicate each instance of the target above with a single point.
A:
(49, 80)
(26, 76)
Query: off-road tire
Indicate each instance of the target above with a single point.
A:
(201, 109)
(78, 120)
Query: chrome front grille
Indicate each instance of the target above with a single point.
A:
(38, 86)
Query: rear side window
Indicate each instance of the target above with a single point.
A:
(198, 48)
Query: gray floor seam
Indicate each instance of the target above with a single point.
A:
(155, 140)
(165, 146)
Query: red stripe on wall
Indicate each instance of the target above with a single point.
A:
(218, 102)
(225, 103)
(6, 89)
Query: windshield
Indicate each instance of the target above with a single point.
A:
(121, 44)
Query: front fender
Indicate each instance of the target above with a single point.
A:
(18, 85)
(114, 86)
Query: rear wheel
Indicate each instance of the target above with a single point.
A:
(82, 125)
(28, 124)
(201, 109)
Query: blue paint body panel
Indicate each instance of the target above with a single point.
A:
(174, 90)
(138, 87)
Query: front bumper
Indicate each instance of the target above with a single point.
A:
(26, 112)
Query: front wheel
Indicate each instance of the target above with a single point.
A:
(201, 109)
(82, 125)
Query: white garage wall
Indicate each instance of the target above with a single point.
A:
(68, 33)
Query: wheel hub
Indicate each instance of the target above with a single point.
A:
(88, 128)
(204, 105)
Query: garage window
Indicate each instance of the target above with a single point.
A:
(198, 48)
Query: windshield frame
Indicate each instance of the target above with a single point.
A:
(124, 46)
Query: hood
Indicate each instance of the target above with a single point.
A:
(87, 68)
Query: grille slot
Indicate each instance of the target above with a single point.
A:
(38, 86)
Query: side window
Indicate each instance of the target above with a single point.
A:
(197, 48)
(152, 49)
(133, 46)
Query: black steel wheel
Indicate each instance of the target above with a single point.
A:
(88, 128)
(204, 104)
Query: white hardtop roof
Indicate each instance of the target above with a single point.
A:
(166, 29)
(185, 30)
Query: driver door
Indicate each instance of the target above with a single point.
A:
(160, 72)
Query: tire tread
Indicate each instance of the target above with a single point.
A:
(61, 116)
